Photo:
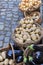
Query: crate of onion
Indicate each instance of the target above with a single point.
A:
(27, 32)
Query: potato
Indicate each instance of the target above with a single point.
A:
(1, 63)
(24, 25)
(29, 36)
(19, 40)
(29, 25)
(28, 40)
(33, 36)
(1, 58)
(23, 30)
(34, 25)
(20, 35)
(3, 54)
(22, 21)
(20, 28)
(6, 62)
(25, 33)
(16, 35)
(27, 4)
(27, 29)
(37, 35)
(24, 37)
(17, 29)
(32, 32)
(33, 28)
(31, 22)
(26, 22)
(37, 31)
(11, 62)
(18, 32)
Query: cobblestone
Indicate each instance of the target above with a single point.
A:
(2, 13)
(8, 34)
(1, 27)
(2, 33)
(7, 29)
(1, 23)
(1, 44)
(1, 37)
(5, 45)
(7, 39)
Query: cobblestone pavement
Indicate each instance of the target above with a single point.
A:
(9, 16)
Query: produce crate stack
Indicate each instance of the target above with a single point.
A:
(28, 31)
(5, 56)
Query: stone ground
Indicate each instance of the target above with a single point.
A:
(9, 16)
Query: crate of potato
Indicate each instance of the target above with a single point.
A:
(36, 16)
(5, 57)
(29, 5)
(27, 32)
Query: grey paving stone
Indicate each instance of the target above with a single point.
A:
(11, 41)
(7, 22)
(15, 16)
(1, 37)
(15, 20)
(4, 4)
(7, 29)
(18, 1)
(8, 25)
(2, 20)
(2, 32)
(3, 13)
(1, 27)
(7, 39)
(15, 9)
(1, 5)
(1, 44)
(12, 29)
(9, 15)
(6, 0)
(8, 11)
(8, 33)
(8, 18)
(1, 23)
(9, 0)
(5, 45)
(14, 23)
(3, 17)
(3, 10)
(15, 0)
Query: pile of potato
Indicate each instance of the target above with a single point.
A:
(27, 31)
(29, 4)
(4, 60)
